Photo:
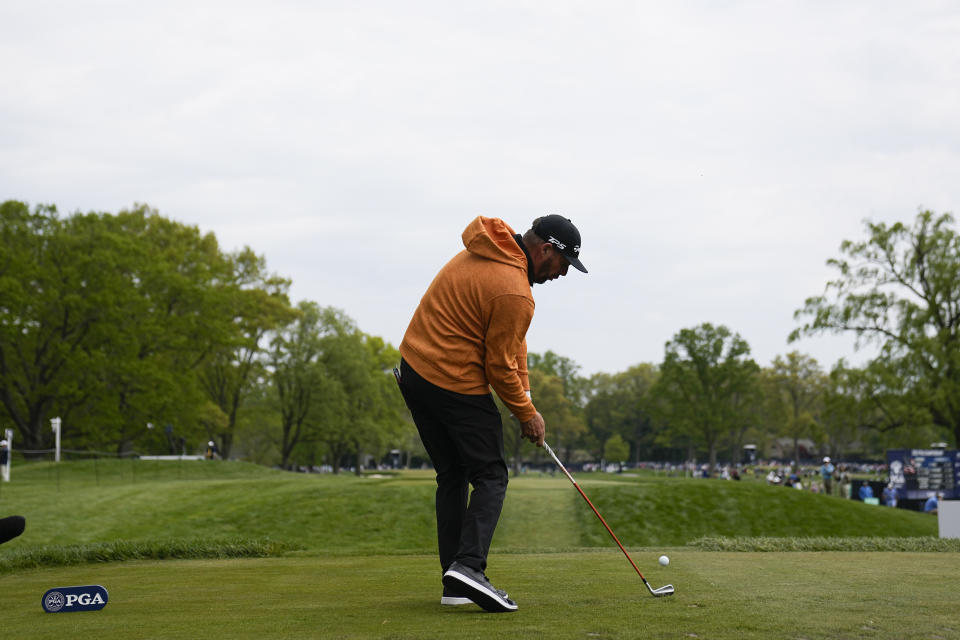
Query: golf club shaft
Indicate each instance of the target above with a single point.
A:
(606, 526)
(600, 517)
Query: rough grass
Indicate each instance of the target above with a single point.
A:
(766, 544)
(123, 550)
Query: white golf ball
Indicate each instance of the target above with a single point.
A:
(664, 560)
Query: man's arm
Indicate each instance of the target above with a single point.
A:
(508, 320)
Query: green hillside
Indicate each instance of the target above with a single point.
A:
(105, 501)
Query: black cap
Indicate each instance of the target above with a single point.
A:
(561, 233)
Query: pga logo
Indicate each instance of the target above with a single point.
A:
(63, 599)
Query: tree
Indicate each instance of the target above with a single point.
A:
(559, 393)
(900, 290)
(297, 376)
(563, 423)
(354, 403)
(106, 319)
(622, 404)
(257, 303)
(170, 320)
(705, 373)
(798, 384)
(99, 321)
(385, 409)
(568, 371)
(615, 449)
(868, 403)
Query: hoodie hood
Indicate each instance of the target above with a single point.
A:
(493, 239)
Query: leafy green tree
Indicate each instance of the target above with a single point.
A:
(354, 403)
(616, 449)
(704, 376)
(799, 385)
(566, 370)
(85, 333)
(900, 290)
(106, 320)
(256, 440)
(297, 377)
(564, 422)
(384, 409)
(257, 302)
(623, 404)
(867, 404)
(750, 419)
(170, 319)
(51, 301)
(564, 425)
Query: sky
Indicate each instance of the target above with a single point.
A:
(713, 154)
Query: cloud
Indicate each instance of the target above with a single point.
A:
(714, 155)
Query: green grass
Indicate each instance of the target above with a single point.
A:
(249, 552)
(147, 500)
(581, 595)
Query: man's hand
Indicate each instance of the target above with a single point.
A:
(533, 429)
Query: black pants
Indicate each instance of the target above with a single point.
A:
(464, 437)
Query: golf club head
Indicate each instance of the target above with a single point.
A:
(666, 590)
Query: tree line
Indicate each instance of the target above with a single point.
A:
(143, 335)
(898, 290)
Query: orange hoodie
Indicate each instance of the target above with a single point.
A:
(469, 331)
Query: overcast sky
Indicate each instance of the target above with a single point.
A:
(713, 154)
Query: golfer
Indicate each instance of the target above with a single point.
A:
(469, 334)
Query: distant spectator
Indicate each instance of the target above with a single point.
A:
(846, 485)
(890, 495)
(933, 503)
(772, 477)
(865, 491)
(793, 479)
(212, 451)
(735, 475)
(826, 473)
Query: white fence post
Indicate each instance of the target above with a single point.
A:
(55, 425)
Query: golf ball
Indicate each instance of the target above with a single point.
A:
(664, 560)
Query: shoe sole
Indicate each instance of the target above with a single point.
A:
(479, 594)
(454, 601)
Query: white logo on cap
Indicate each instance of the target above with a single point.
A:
(559, 244)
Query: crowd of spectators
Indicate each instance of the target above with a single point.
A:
(850, 480)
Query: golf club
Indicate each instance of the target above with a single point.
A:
(666, 590)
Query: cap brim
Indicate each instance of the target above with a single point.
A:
(576, 263)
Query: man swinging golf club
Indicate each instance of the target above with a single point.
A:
(469, 334)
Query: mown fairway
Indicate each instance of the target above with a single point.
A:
(561, 595)
(360, 560)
